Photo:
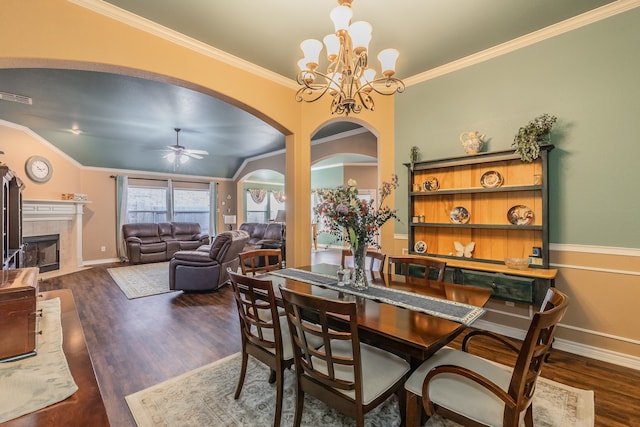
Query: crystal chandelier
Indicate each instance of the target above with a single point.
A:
(348, 79)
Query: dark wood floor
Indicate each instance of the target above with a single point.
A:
(135, 344)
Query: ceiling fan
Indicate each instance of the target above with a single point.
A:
(181, 154)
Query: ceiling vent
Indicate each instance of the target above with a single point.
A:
(15, 98)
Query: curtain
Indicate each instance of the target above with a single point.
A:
(122, 186)
(257, 194)
(278, 195)
(213, 209)
(169, 200)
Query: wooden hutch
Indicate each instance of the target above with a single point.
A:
(491, 200)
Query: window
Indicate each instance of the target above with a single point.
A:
(146, 204)
(257, 211)
(192, 206)
(149, 204)
(263, 205)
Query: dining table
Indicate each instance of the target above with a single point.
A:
(410, 316)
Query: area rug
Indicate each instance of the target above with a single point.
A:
(142, 280)
(204, 397)
(41, 380)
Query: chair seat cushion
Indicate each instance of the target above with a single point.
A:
(460, 394)
(380, 369)
(149, 248)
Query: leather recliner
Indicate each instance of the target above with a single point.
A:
(206, 270)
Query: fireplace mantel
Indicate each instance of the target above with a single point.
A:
(58, 210)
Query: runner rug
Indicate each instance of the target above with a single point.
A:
(450, 310)
(41, 380)
(142, 280)
(204, 397)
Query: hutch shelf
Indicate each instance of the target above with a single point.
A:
(476, 210)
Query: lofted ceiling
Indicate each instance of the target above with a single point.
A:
(127, 122)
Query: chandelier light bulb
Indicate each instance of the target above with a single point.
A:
(311, 49)
(360, 33)
(332, 43)
(341, 17)
(368, 76)
(388, 58)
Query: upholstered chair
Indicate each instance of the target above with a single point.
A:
(206, 270)
(345, 373)
(474, 391)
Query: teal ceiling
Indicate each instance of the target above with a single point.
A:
(127, 122)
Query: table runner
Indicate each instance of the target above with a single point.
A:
(450, 310)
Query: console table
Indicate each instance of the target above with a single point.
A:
(85, 407)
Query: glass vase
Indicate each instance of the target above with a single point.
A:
(359, 276)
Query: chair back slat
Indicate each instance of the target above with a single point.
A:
(257, 310)
(260, 261)
(310, 315)
(375, 259)
(534, 350)
(432, 269)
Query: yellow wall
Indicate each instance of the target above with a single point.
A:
(63, 35)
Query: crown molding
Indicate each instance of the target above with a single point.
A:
(135, 21)
(554, 30)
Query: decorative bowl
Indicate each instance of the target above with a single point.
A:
(517, 263)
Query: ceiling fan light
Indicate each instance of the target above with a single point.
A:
(388, 58)
(184, 159)
(171, 157)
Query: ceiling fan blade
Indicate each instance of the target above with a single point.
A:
(192, 155)
(175, 147)
(202, 152)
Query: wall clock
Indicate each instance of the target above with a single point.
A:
(38, 169)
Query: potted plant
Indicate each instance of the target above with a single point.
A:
(528, 139)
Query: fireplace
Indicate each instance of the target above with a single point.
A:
(42, 251)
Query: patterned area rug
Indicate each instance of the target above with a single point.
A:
(204, 397)
(142, 280)
(41, 380)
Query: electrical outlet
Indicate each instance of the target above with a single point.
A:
(103, 248)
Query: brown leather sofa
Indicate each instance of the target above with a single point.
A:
(155, 242)
(205, 269)
(265, 236)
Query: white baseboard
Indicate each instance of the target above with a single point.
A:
(573, 347)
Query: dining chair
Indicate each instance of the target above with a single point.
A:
(344, 373)
(265, 335)
(376, 259)
(429, 268)
(474, 391)
(260, 261)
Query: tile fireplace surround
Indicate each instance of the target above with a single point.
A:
(63, 217)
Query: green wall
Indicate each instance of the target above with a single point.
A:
(590, 79)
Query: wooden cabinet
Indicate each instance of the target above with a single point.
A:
(12, 250)
(18, 292)
(492, 202)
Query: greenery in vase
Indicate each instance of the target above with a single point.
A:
(341, 209)
(528, 139)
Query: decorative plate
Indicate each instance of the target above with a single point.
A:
(491, 179)
(520, 215)
(459, 215)
(420, 247)
(430, 184)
